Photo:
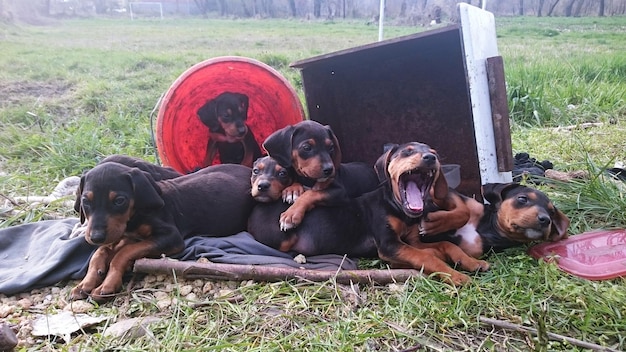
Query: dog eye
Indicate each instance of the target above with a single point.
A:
(119, 201)
(84, 202)
(306, 147)
(256, 171)
(227, 118)
(522, 199)
(282, 173)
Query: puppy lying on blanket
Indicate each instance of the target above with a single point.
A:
(380, 223)
(515, 215)
(129, 216)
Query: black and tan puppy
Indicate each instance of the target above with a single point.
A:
(129, 216)
(311, 151)
(515, 215)
(157, 172)
(379, 223)
(226, 116)
(269, 179)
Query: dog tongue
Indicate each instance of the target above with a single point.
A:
(414, 196)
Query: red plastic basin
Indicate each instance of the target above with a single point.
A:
(597, 255)
(181, 139)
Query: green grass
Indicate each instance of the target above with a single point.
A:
(75, 91)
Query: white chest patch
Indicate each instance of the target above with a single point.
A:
(471, 243)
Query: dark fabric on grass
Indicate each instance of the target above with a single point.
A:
(42, 254)
(242, 248)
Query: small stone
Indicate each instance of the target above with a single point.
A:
(25, 303)
(208, 287)
(8, 339)
(6, 310)
(191, 297)
(164, 303)
(79, 306)
(159, 295)
(185, 290)
(130, 328)
(224, 292)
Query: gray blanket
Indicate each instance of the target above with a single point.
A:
(43, 253)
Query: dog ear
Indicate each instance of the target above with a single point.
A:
(493, 192)
(243, 103)
(381, 164)
(560, 224)
(147, 192)
(278, 146)
(337, 153)
(78, 202)
(208, 115)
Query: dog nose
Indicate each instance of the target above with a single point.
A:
(263, 186)
(97, 237)
(544, 220)
(328, 171)
(429, 157)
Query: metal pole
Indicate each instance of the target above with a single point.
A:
(381, 20)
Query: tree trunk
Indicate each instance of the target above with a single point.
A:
(203, 7)
(552, 7)
(578, 8)
(521, 8)
(223, 7)
(292, 8)
(246, 10)
(569, 7)
(601, 11)
(540, 7)
(317, 8)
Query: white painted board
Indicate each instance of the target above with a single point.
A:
(478, 33)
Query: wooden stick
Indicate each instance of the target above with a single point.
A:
(555, 337)
(194, 270)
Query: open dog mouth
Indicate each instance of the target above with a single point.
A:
(414, 187)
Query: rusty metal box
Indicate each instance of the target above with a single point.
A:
(444, 87)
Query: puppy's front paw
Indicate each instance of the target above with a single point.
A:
(79, 293)
(291, 193)
(431, 227)
(103, 293)
(290, 219)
